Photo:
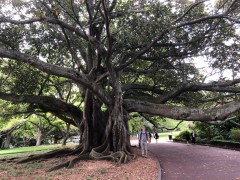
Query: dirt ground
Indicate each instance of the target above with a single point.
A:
(139, 169)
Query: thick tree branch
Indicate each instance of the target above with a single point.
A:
(58, 71)
(19, 113)
(50, 20)
(189, 9)
(157, 126)
(231, 120)
(181, 113)
(154, 123)
(221, 86)
(233, 20)
(47, 104)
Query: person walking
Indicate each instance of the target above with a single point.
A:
(143, 139)
(187, 136)
(150, 137)
(156, 136)
(193, 137)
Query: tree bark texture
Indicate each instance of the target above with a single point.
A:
(39, 137)
(7, 140)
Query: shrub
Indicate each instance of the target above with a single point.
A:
(181, 137)
(223, 143)
(235, 134)
(219, 137)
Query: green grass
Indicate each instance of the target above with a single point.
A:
(28, 149)
(25, 151)
(164, 136)
(14, 170)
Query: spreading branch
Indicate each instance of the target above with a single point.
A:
(56, 70)
(183, 113)
(47, 104)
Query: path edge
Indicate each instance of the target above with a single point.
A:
(159, 176)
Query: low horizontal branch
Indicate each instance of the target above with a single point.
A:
(182, 113)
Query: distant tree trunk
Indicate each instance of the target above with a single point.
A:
(39, 137)
(55, 139)
(25, 141)
(7, 140)
(66, 135)
(1, 142)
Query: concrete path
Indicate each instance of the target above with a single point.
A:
(194, 162)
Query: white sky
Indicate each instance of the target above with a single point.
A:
(202, 65)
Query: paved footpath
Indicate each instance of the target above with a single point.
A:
(194, 162)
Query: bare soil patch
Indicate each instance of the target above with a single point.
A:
(139, 169)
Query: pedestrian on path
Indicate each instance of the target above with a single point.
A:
(138, 136)
(150, 137)
(193, 137)
(156, 136)
(187, 137)
(143, 139)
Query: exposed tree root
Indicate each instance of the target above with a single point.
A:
(76, 160)
(9, 160)
(102, 152)
(119, 157)
(71, 163)
(79, 149)
(51, 154)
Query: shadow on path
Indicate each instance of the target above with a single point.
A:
(194, 162)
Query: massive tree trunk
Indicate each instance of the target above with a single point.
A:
(103, 134)
(104, 128)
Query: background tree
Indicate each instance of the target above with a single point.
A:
(7, 129)
(91, 63)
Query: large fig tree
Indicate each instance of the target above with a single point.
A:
(92, 62)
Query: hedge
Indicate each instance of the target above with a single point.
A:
(218, 143)
(224, 143)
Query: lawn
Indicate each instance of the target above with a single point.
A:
(164, 136)
(25, 151)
